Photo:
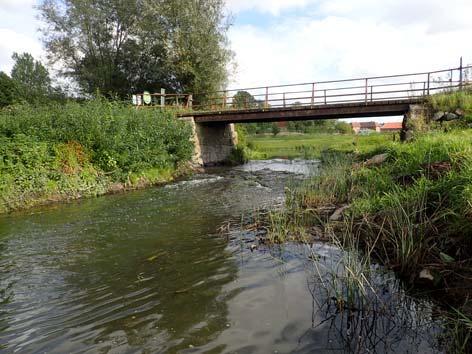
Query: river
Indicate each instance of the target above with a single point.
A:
(148, 272)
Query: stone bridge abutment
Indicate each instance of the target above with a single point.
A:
(213, 142)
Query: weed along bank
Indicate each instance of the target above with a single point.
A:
(62, 152)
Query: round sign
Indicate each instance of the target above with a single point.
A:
(147, 97)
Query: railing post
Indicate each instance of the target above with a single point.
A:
(266, 103)
(312, 94)
(424, 89)
(460, 75)
(429, 83)
(224, 99)
(325, 96)
(366, 89)
(452, 77)
(163, 98)
(284, 99)
(190, 101)
(371, 93)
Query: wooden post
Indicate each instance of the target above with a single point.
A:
(163, 98)
(460, 75)
(371, 93)
(284, 99)
(366, 89)
(224, 99)
(325, 97)
(424, 89)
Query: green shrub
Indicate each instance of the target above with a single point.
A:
(121, 140)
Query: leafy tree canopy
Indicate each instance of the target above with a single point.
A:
(8, 90)
(31, 77)
(125, 46)
(243, 99)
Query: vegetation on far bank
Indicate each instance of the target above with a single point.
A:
(312, 145)
(63, 151)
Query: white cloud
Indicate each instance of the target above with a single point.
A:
(342, 38)
(438, 15)
(10, 42)
(273, 7)
(11, 5)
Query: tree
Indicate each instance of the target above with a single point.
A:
(275, 129)
(243, 99)
(32, 77)
(125, 46)
(343, 127)
(8, 90)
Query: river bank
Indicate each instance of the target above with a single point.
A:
(407, 206)
(60, 152)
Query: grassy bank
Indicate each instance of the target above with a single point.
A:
(69, 151)
(407, 206)
(312, 145)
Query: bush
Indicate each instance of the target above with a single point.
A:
(121, 140)
(32, 171)
(275, 129)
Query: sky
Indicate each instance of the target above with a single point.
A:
(288, 41)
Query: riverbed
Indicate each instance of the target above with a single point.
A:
(150, 272)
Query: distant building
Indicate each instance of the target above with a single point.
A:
(391, 127)
(374, 127)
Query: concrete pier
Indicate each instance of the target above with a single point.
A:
(213, 142)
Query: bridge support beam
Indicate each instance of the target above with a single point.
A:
(213, 142)
(415, 120)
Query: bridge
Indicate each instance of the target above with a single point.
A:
(212, 114)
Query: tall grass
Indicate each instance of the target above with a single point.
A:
(412, 213)
(450, 101)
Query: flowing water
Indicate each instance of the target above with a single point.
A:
(147, 272)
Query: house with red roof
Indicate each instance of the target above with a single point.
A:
(374, 127)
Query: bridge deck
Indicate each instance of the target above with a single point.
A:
(389, 95)
(328, 111)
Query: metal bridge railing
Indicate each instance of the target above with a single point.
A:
(360, 90)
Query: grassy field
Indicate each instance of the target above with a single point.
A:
(312, 145)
